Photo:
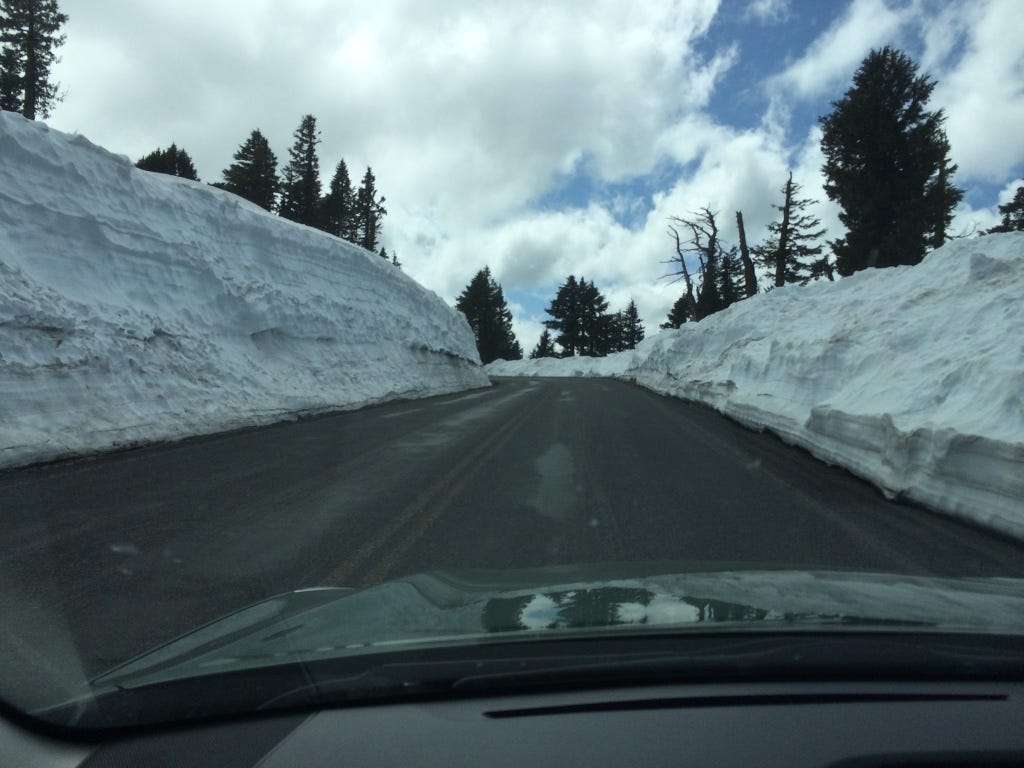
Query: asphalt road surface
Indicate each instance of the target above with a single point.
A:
(129, 550)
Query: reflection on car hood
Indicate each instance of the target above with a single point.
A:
(448, 608)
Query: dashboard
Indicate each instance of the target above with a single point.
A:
(870, 724)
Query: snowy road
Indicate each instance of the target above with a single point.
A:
(530, 472)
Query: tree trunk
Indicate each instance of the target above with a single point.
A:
(31, 69)
(782, 254)
(749, 276)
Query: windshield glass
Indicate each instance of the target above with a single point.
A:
(412, 336)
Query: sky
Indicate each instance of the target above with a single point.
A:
(543, 138)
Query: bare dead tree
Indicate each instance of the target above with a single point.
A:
(697, 235)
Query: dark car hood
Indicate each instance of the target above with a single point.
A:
(472, 607)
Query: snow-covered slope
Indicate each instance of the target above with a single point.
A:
(911, 377)
(136, 306)
(581, 365)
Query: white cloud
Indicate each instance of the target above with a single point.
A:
(968, 220)
(983, 91)
(471, 112)
(767, 11)
(833, 57)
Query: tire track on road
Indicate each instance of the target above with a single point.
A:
(394, 540)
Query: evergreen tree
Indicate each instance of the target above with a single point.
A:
(172, 161)
(369, 212)
(632, 326)
(596, 327)
(545, 347)
(886, 164)
(1013, 214)
(565, 314)
(682, 312)
(709, 299)
(483, 304)
(579, 316)
(253, 175)
(338, 208)
(941, 197)
(614, 335)
(730, 277)
(300, 186)
(28, 38)
(791, 251)
(10, 80)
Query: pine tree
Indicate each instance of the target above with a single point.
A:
(596, 329)
(941, 197)
(730, 276)
(300, 186)
(709, 299)
(172, 161)
(10, 80)
(545, 347)
(369, 212)
(29, 36)
(886, 164)
(791, 251)
(613, 336)
(337, 209)
(632, 326)
(253, 175)
(1013, 214)
(579, 316)
(483, 304)
(682, 312)
(565, 314)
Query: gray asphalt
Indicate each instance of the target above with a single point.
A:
(129, 550)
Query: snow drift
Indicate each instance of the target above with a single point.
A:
(136, 307)
(580, 365)
(912, 377)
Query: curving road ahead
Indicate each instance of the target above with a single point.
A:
(135, 548)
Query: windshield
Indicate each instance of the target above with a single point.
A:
(346, 339)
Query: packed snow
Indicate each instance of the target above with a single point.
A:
(912, 377)
(137, 307)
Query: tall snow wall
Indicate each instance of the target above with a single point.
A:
(137, 307)
(910, 377)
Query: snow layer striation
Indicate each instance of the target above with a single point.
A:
(912, 377)
(137, 307)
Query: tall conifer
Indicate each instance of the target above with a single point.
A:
(300, 186)
(369, 212)
(29, 35)
(483, 304)
(253, 175)
(887, 165)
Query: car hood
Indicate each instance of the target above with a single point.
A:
(471, 607)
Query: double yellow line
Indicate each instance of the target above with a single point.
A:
(392, 542)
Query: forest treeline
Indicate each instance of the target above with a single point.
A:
(29, 36)
(353, 214)
(887, 166)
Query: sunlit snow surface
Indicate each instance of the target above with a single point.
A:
(910, 377)
(136, 306)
